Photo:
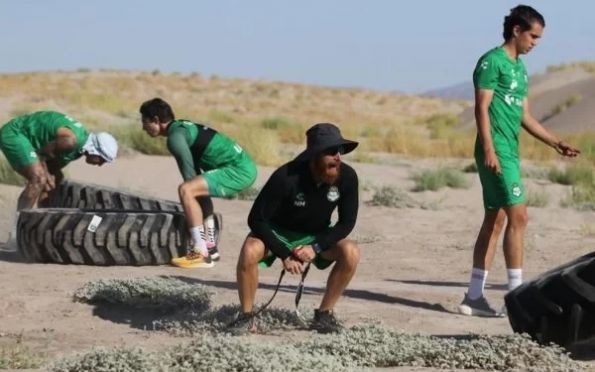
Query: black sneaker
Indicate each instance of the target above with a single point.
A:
(244, 324)
(325, 322)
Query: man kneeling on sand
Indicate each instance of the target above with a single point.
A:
(291, 220)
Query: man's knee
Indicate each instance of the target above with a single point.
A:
(252, 251)
(348, 253)
(519, 218)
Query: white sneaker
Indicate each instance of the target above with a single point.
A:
(478, 307)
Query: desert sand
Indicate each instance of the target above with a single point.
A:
(413, 273)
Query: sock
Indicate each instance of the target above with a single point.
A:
(477, 283)
(210, 226)
(515, 278)
(198, 236)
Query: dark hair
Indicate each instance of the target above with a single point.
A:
(523, 16)
(157, 107)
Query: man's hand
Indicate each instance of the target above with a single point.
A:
(292, 265)
(492, 163)
(304, 253)
(51, 183)
(566, 150)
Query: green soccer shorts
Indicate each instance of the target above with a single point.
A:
(16, 147)
(504, 189)
(231, 179)
(291, 240)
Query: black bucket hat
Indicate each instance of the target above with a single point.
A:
(323, 136)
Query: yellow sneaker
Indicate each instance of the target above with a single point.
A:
(193, 260)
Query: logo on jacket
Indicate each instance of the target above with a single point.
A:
(333, 194)
(300, 200)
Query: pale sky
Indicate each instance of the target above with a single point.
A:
(410, 46)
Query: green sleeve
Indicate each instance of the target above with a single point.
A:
(178, 146)
(486, 73)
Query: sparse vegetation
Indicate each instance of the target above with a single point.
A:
(248, 194)
(563, 106)
(15, 355)
(581, 197)
(470, 168)
(131, 136)
(574, 174)
(436, 179)
(538, 199)
(387, 196)
(8, 175)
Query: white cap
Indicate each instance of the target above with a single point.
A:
(102, 144)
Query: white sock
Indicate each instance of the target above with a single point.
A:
(515, 278)
(198, 236)
(210, 226)
(477, 283)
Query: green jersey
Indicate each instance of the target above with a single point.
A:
(182, 135)
(31, 133)
(508, 79)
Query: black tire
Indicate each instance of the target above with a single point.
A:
(71, 194)
(558, 306)
(66, 236)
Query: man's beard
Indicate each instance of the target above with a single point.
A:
(327, 172)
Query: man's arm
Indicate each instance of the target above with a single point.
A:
(178, 146)
(65, 141)
(266, 204)
(538, 131)
(483, 99)
(348, 208)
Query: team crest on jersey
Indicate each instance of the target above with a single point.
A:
(333, 194)
(516, 190)
(300, 200)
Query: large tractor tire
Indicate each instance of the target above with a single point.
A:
(71, 194)
(558, 306)
(101, 237)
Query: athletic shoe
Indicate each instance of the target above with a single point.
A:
(193, 260)
(325, 322)
(213, 252)
(244, 324)
(218, 226)
(478, 307)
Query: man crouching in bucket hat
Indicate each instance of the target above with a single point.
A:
(291, 220)
(40, 144)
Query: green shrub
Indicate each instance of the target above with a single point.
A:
(248, 194)
(8, 175)
(393, 197)
(19, 356)
(538, 199)
(436, 179)
(274, 123)
(581, 197)
(470, 168)
(133, 137)
(573, 175)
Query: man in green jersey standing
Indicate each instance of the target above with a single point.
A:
(228, 169)
(501, 108)
(40, 144)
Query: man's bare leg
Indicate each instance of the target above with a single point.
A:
(346, 256)
(514, 237)
(36, 177)
(253, 250)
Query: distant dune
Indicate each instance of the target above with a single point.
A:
(564, 100)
